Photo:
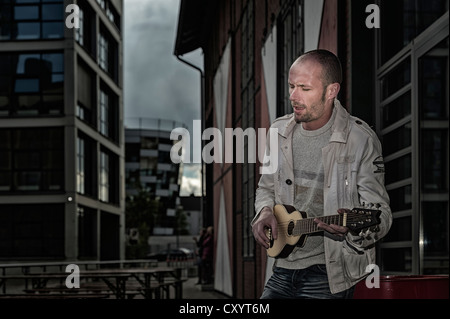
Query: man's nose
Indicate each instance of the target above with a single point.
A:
(295, 95)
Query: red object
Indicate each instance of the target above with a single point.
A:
(405, 287)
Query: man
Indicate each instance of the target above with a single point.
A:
(327, 161)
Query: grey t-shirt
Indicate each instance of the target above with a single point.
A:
(309, 182)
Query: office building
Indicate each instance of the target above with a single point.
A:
(149, 168)
(62, 193)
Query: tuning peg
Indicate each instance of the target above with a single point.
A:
(375, 229)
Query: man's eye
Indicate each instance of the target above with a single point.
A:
(304, 89)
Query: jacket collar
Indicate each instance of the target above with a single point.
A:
(340, 126)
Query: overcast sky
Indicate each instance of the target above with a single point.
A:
(156, 83)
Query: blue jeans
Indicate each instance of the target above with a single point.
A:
(308, 283)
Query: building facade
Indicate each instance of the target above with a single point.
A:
(395, 62)
(148, 167)
(62, 193)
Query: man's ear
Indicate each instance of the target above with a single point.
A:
(333, 90)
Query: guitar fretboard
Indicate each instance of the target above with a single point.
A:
(308, 226)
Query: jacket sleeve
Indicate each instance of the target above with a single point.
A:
(371, 190)
(265, 192)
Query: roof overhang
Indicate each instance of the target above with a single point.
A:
(191, 22)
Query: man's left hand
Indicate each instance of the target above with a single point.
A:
(332, 228)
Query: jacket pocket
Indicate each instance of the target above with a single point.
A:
(345, 178)
(354, 263)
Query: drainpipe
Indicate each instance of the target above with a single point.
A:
(202, 115)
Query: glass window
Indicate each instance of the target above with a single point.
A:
(434, 161)
(37, 82)
(398, 169)
(107, 53)
(401, 230)
(397, 259)
(248, 105)
(32, 19)
(28, 64)
(52, 30)
(80, 165)
(32, 231)
(104, 177)
(404, 20)
(28, 31)
(397, 139)
(108, 113)
(87, 232)
(26, 12)
(104, 111)
(28, 104)
(52, 12)
(26, 85)
(102, 52)
(435, 237)
(54, 61)
(86, 182)
(396, 79)
(79, 33)
(397, 109)
(35, 161)
(290, 35)
(433, 83)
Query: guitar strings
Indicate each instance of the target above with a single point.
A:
(307, 225)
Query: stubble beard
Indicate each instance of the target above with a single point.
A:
(308, 116)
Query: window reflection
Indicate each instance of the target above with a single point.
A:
(433, 82)
(434, 160)
(32, 84)
(27, 31)
(26, 13)
(433, 110)
(435, 237)
(403, 20)
(397, 109)
(31, 19)
(35, 161)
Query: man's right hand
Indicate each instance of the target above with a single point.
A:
(265, 220)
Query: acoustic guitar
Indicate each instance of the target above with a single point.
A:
(294, 226)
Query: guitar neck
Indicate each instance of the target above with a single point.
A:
(308, 226)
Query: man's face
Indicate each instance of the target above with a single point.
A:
(308, 95)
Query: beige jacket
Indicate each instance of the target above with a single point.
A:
(354, 174)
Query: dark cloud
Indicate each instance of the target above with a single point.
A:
(156, 83)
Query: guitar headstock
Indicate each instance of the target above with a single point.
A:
(361, 218)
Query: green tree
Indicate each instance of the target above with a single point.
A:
(141, 211)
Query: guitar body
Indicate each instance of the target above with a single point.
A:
(286, 217)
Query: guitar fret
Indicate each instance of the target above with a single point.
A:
(308, 226)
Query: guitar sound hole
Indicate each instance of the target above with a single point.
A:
(290, 228)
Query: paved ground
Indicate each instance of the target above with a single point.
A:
(193, 291)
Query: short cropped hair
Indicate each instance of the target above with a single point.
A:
(331, 66)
